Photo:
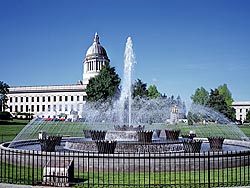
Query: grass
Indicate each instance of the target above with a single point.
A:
(218, 177)
(23, 175)
(245, 129)
(11, 128)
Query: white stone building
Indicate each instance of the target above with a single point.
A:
(56, 99)
(241, 108)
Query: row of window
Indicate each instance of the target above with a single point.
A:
(95, 65)
(47, 98)
(242, 109)
(43, 108)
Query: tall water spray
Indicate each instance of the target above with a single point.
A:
(129, 61)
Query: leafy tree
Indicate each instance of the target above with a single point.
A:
(223, 90)
(139, 89)
(218, 102)
(193, 118)
(104, 85)
(200, 96)
(4, 90)
(247, 116)
(153, 92)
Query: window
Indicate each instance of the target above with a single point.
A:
(48, 98)
(54, 107)
(16, 108)
(54, 98)
(32, 108)
(27, 99)
(43, 99)
(27, 108)
(10, 108)
(43, 108)
(66, 107)
(32, 99)
(16, 99)
(37, 99)
(66, 98)
(240, 110)
(84, 98)
(21, 108)
(77, 98)
(60, 98)
(60, 107)
(49, 108)
(37, 108)
(72, 98)
(10, 99)
(21, 99)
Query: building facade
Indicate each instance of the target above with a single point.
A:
(56, 99)
(241, 108)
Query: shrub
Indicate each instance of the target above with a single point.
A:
(5, 116)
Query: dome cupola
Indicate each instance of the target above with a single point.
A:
(96, 58)
(96, 49)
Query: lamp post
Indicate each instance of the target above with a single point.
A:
(1, 102)
(29, 115)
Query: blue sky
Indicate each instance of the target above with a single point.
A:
(180, 45)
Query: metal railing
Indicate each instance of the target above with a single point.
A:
(92, 169)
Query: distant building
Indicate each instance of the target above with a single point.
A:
(241, 108)
(55, 99)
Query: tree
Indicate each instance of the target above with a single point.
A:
(153, 92)
(247, 116)
(218, 102)
(104, 85)
(223, 90)
(200, 96)
(139, 89)
(4, 90)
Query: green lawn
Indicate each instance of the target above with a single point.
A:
(9, 129)
(218, 178)
(245, 129)
(230, 175)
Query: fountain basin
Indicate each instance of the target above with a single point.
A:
(122, 136)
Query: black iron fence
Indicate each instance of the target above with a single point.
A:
(93, 169)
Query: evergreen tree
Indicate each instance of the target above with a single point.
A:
(104, 85)
(153, 92)
(223, 90)
(200, 96)
(139, 89)
(218, 102)
(4, 90)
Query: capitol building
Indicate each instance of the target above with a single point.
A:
(52, 100)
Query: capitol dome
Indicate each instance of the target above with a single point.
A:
(96, 58)
(96, 48)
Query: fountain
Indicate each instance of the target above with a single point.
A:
(126, 120)
(129, 136)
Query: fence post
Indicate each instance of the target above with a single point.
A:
(208, 168)
(33, 167)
